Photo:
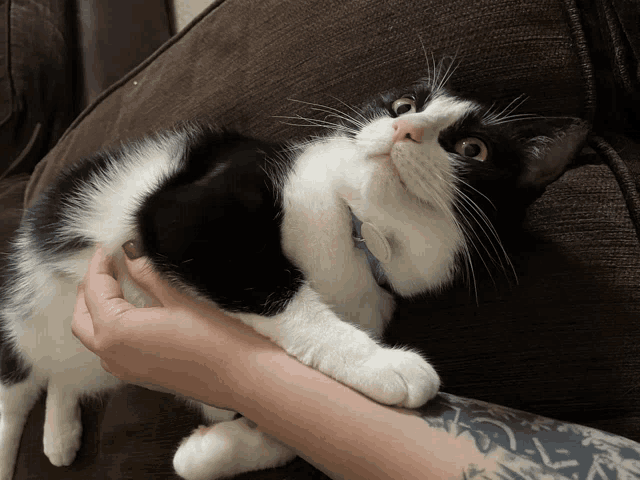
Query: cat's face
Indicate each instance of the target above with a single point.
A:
(403, 140)
(459, 167)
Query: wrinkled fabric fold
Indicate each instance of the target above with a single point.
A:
(609, 55)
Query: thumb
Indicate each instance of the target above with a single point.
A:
(141, 271)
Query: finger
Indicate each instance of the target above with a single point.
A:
(103, 295)
(143, 274)
(81, 323)
(106, 367)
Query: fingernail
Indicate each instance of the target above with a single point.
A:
(132, 249)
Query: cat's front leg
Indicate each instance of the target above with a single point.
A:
(309, 330)
(370, 308)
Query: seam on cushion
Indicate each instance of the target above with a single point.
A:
(8, 64)
(619, 45)
(27, 149)
(623, 177)
(170, 10)
(582, 47)
(145, 63)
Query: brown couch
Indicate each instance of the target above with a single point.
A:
(562, 343)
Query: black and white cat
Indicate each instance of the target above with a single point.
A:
(306, 244)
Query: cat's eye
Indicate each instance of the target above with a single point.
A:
(472, 147)
(403, 105)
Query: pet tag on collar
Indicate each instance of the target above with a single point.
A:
(377, 244)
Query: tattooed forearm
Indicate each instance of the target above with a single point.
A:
(520, 445)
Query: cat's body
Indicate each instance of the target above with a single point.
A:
(271, 241)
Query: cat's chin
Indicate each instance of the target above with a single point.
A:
(395, 176)
(387, 163)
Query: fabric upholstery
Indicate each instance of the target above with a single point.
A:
(241, 69)
(37, 80)
(57, 56)
(107, 53)
(562, 342)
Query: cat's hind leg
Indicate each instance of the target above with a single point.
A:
(62, 424)
(17, 398)
(227, 448)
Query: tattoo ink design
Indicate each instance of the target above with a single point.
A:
(523, 446)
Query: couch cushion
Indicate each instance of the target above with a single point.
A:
(240, 67)
(54, 58)
(37, 98)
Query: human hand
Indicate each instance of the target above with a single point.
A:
(181, 345)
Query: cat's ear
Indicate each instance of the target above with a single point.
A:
(549, 154)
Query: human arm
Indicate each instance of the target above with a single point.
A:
(180, 344)
(338, 430)
(452, 437)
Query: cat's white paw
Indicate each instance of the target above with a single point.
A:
(398, 377)
(200, 454)
(62, 442)
(227, 449)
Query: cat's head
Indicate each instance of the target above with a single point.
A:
(447, 173)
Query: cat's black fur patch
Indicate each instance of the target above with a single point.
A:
(12, 369)
(194, 222)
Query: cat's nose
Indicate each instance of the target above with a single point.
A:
(405, 130)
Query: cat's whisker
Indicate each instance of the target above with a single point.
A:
(467, 185)
(469, 234)
(346, 118)
(490, 233)
(478, 213)
(470, 274)
(466, 252)
(517, 104)
(469, 259)
(426, 56)
(493, 114)
(326, 123)
(431, 73)
(516, 118)
(507, 112)
(514, 105)
(298, 146)
(365, 120)
(450, 71)
(341, 116)
(480, 254)
(333, 111)
(437, 200)
(473, 273)
(498, 257)
(314, 122)
(431, 68)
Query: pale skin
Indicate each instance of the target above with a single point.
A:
(200, 352)
(195, 349)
